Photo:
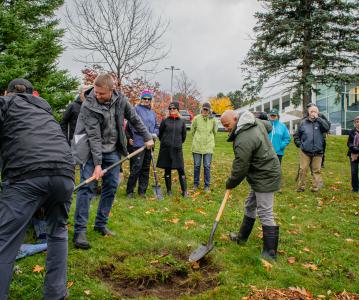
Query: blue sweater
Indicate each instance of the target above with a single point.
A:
(148, 118)
(279, 136)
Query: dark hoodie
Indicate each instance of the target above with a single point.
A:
(255, 158)
(31, 141)
(69, 118)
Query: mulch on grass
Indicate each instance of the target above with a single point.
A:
(177, 281)
(295, 293)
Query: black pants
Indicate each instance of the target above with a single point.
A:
(139, 170)
(354, 173)
(18, 203)
(179, 170)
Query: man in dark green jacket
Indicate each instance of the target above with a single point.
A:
(255, 160)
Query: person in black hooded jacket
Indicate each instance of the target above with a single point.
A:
(353, 153)
(37, 171)
(69, 118)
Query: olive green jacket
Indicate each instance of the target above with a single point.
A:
(255, 158)
(203, 130)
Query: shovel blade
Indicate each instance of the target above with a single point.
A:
(158, 192)
(201, 252)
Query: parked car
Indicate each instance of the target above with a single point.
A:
(219, 124)
(187, 117)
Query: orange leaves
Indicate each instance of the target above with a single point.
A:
(69, 284)
(189, 223)
(291, 260)
(302, 291)
(268, 266)
(37, 269)
(310, 266)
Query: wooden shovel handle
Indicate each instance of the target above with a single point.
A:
(219, 214)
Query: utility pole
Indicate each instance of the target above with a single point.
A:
(172, 68)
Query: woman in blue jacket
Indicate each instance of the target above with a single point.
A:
(279, 136)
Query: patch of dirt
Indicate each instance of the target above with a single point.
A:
(295, 294)
(176, 282)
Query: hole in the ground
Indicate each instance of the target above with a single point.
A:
(165, 275)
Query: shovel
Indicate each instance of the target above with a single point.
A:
(92, 178)
(156, 187)
(204, 249)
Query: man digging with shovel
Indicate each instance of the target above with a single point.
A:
(256, 161)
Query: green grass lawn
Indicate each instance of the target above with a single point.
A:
(147, 258)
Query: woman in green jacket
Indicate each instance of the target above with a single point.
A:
(204, 128)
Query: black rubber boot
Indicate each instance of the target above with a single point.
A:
(244, 231)
(183, 183)
(168, 184)
(80, 241)
(270, 241)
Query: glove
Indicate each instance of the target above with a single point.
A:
(154, 136)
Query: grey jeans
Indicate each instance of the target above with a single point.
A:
(261, 204)
(18, 203)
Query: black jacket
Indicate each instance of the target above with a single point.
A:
(310, 135)
(350, 143)
(172, 134)
(89, 133)
(69, 118)
(31, 141)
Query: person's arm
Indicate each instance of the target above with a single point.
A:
(243, 153)
(184, 132)
(297, 136)
(194, 126)
(136, 122)
(156, 128)
(268, 125)
(350, 143)
(161, 129)
(324, 125)
(66, 120)
(285, 138)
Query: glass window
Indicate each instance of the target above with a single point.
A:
(322, 105)
(352, 98)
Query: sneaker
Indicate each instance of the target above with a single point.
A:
(130, 196)
(80, 241)
(104, 231)
(206, 189)
(299, 190)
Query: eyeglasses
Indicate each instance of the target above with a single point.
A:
(149, 99)
(206, 109)
(172, 108)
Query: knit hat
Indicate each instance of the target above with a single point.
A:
(146, 94)
(356, 118)
(206, 105)
(274, 112)
(174, 105)
(11, 88)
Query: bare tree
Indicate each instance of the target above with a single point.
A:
(122, 36)
(187, 91)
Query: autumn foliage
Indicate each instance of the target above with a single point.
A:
(219, 105)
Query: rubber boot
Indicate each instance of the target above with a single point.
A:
(183, 183)
(244, 231)
(168, 184)
(80, 241)
(270, 241)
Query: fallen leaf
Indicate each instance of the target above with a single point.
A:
(174, 220)
(87, 292)
(37, 269)
(153, 262)
(281, 252)
(306, 250)
(322, 296)
(69, 284)
(349, 240)
(310, 266)
(268, 266)
(301, 291)
(201, 211)
(259, 235)
(337, 234)
(195, 265)
(164, 253)
(131, 206)
(110, 214)
(294, 232)
(291, 260)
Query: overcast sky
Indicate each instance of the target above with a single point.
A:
(208, 40)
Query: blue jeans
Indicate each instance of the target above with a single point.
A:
(197, 160)
(84, 195)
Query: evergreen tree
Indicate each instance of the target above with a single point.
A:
(302, 42)
(236, 98)
(30, 44)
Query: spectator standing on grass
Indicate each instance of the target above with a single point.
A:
(203, 128)
(69, 118)
(279, 136)
(256, 161)
(309, 137)
(37, 171)
(99, 140)
(172, 134)
(140, 164)
(353, 153)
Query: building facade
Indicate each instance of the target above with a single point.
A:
(340, 107)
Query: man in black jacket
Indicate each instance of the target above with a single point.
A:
(310, 139)
(37, 171)
(69, 118)
(98, 141)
